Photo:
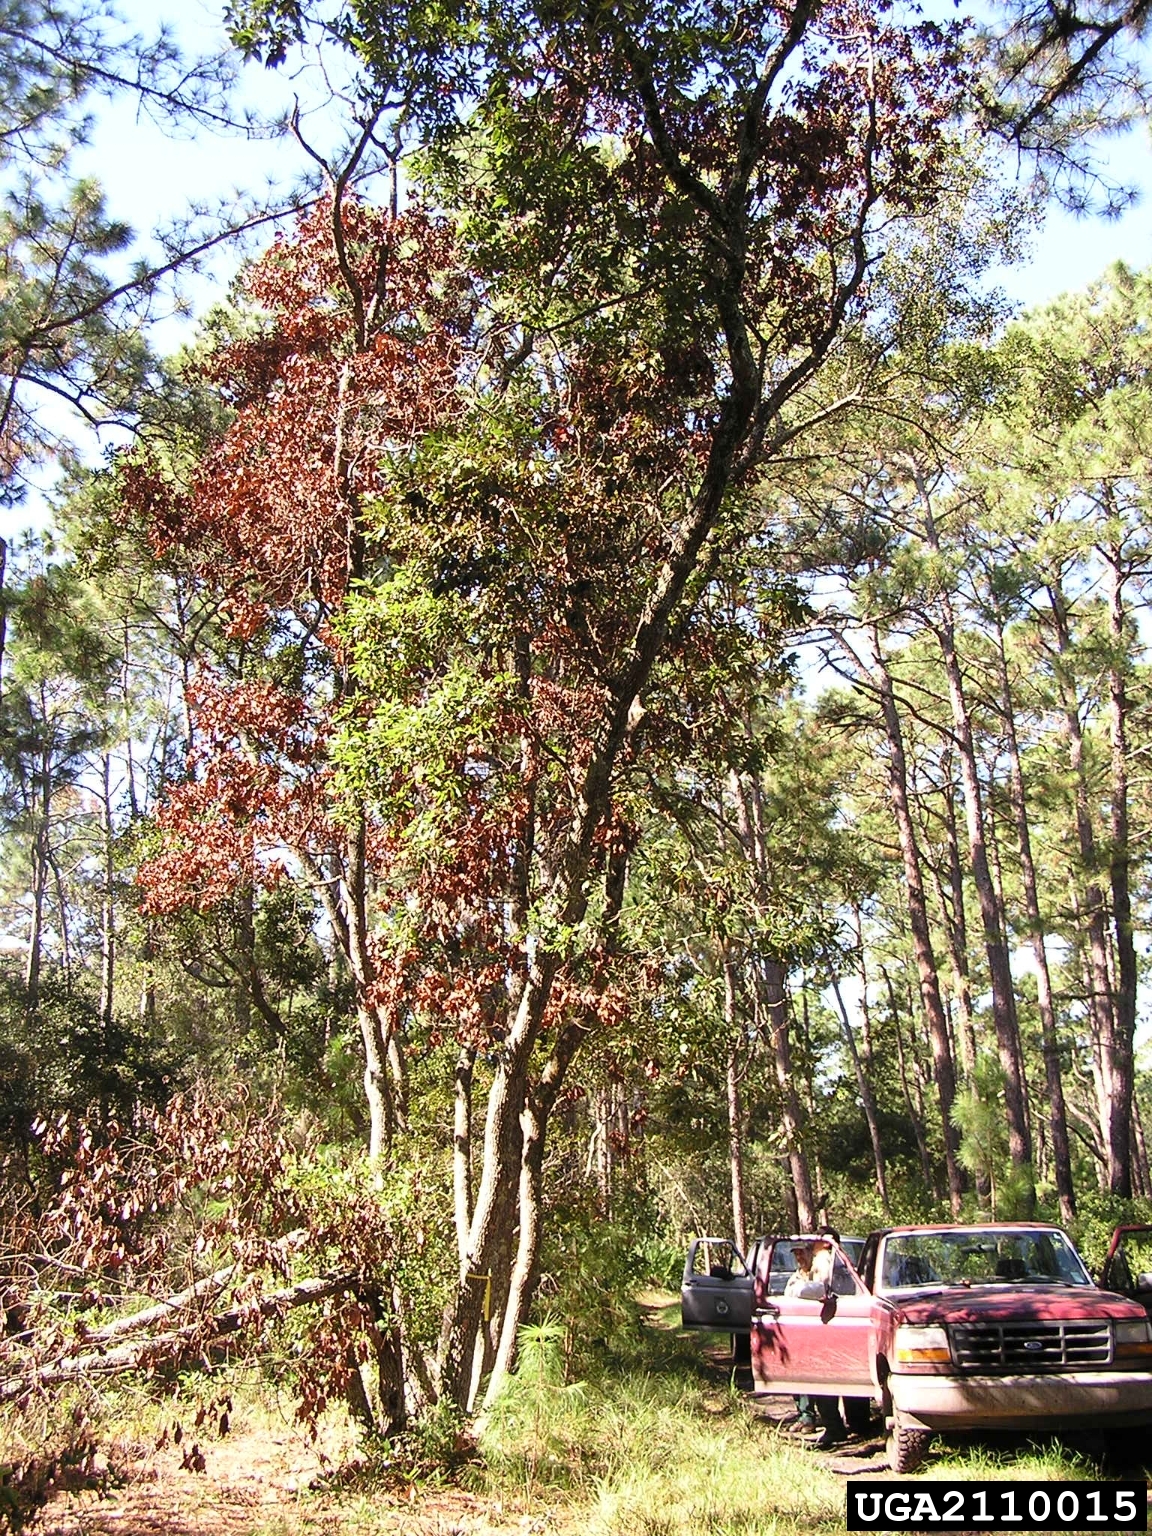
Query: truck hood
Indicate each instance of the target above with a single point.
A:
(1011, 1303)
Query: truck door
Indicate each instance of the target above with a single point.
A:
(1128, 1267)
(810, 1337)
(717, 1289)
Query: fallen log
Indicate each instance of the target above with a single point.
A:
(162, 1310)
(210, 1285)
(176, 1341)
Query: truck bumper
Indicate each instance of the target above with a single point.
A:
(1071, 1400)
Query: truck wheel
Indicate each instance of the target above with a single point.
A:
(741, 1349)
(907, 1447)
(858, 1414)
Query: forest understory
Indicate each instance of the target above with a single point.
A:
(666, 1442)
(581, 677)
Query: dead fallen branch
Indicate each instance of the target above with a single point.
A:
(173, 1344)
(162, 1311)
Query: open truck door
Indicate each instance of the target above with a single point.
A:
(1128, 1267)
(716, 1291)
(811, 1336)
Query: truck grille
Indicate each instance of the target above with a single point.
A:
(1031, 1346)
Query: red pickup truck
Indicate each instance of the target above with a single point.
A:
(985, 1327)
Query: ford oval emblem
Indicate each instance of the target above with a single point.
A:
(1033, 1344)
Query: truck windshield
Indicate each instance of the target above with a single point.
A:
(975, 1256)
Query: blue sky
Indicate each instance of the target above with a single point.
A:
(150, 175)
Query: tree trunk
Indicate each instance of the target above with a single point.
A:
(865, 1010)
(462, 1148)
(918, 921)
(1102, 1010)
(991, 915)
(769, 998)
(534, 1125)
(107, 908)
(735, 1107)
(916, 1119)
(1053, 1079)
(40, 871)
(958, 933)
(864, 1088)
(772, 998)
(1122, 1070)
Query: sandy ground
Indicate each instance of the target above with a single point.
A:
(259, 1484)
(261, 1480)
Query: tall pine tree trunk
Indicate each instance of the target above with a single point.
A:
(867, 1099)
(772, 1006)
(735, 1106)
(913, 1112)
(991, 915)
(1090, 905)
(1123, 1072)
(107, 906)
(918, 919)
(1053, 1079)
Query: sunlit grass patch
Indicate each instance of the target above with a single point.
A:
(654, 1454)
(1046, 1462)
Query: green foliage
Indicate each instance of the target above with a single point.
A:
(1097, 1216)
(978, 1115)
(591, 1270)
(62, 1056)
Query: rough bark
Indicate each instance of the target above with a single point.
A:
(41, 852)
(958, 935)
(1053, 1078)
(462, 1148)
(770, 982)
(107, 902)
(1090, 904)
(537, 1110)
(916, 1118)
(735, 1106)
(1124, 1000)
(991, 914)
(918, 920)
(867, 1099)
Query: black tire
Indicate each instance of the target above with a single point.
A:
(858, 1414)
(907, 1448)
(741, 1349)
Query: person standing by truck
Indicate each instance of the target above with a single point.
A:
(812, 1278)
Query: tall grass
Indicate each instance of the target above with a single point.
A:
(653, 1449)
(650, 1454)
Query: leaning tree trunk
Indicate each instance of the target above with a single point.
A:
(539, 1103)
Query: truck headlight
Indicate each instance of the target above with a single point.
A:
(1132, 1339)
(922, 1346)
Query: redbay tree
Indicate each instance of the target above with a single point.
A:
(487, 458)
